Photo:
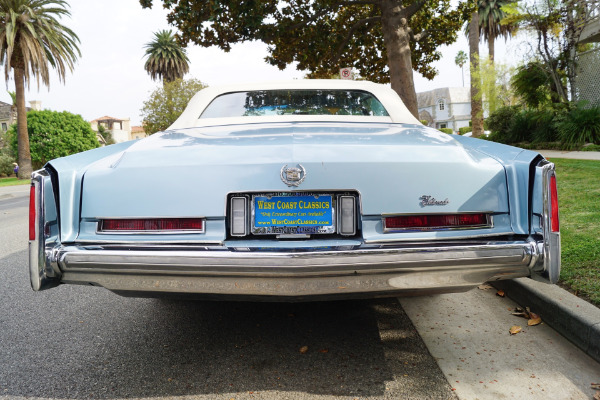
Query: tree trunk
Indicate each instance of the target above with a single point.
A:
(397, 44)
(23, 153)
(491, 45)
(476, 105)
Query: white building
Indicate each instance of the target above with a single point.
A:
(445, 107)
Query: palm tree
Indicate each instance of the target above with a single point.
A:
(31, 39)
(476, 104)
(460, 60)
(167, 60)
(490, 15)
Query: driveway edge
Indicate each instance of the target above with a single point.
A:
(572, 317)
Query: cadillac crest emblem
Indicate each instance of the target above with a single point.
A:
(293, 176)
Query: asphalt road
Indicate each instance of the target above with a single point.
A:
(85, 342)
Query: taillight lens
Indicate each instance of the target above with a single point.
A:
(152, 225)
(32, 213)
(554, 221)
(436, 221)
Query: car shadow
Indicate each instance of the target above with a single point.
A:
(76, 342)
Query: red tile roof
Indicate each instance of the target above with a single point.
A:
(107, 118)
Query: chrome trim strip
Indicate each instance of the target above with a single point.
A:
(347, 261)
(437, 239)
(152, 243)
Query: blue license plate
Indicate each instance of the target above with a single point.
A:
(293, 214)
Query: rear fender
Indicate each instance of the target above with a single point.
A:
(542, 220)
(44, 272)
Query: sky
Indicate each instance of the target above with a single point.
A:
(109, 78)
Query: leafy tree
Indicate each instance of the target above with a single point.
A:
(534, 85)
(167, 60)
(556, 26)
(460, 60)
(384, 40)
(55, 134)
(167, 103)
(31, 40)
(494, 85)
(106, 135)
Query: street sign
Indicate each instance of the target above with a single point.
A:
(345, 73)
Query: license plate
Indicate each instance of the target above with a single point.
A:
(296, 214)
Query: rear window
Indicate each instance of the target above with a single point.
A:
(294, 102)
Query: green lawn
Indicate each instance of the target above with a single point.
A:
(579, 204)
(13, 181)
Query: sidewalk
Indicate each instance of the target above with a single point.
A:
(578, 155)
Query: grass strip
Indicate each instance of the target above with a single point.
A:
(14, 181)
(579, 202)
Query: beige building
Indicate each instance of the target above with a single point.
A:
(120, 129)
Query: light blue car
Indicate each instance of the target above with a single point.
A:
(301, 190)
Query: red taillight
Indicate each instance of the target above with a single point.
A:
(439, 221)
(554, 221)
(32, 213)
(152, 225)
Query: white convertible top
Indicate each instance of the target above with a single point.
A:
(398, 113)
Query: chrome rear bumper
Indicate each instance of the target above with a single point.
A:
(382, 270)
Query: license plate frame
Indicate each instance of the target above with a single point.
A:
(292, 213)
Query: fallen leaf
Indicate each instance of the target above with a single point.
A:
(534, 320)
(523, 314)
(500, 293)
(515, 329)
(324, 351)
(484, 287)
(303, 350)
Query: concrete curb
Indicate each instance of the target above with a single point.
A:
(572, 317)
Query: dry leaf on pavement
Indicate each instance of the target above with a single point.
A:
(303, 350)
(534, 319)
(500, 293)
(485, 286)
(515, 329)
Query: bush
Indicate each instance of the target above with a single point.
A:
(580, 125)
(446, 130)
(591, 147)
(544, 125)
(510, 125)
(54, 134)
(425, 122)
(464, 129)
(500, 122)
(6, 164)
